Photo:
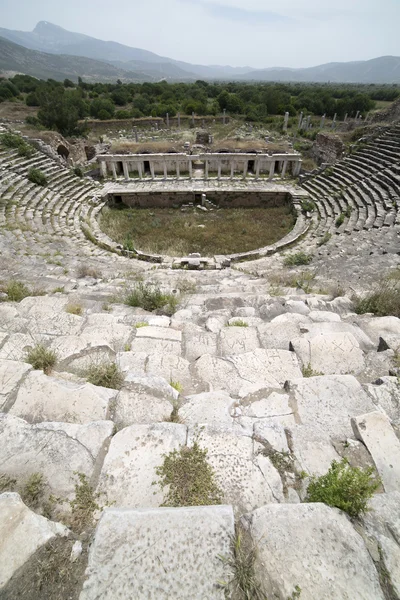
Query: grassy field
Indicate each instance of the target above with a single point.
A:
(173, 232)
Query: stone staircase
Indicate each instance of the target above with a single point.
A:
(238, 357)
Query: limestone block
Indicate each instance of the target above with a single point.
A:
(22, 532)
(247, 478)
(158, 320)
(324, 316)
(237, 340)
(265, 405)
(159, 333)
(91, 435)
(317, 329)
(215, 323)
(80, 362)
(272, 308)
(314, 547)
(382, 327)
(172, 368)
(330, 353)
(250, 321)
(138, 406)
(312, 449)
(104, 329)
(43, 398)
(385, 393)
(47, 307)
(223, 302)
(277, 335)
(11, 374)
(328, 403)
(26, 449)
(213, 408)
(157, 540)
(245, 311)
(68, 346)
(197, 342)
(382, 523)
(267, 367)
(18, 344)
(129, 467)
(154, 384)
(375, 431)
(297, 306)
(155, 346)
(132, 361)
(217, 374)
(272, 435)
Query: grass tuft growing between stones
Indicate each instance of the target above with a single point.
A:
(345, 487)
(308, 371)
(187, 478)
(105, 374)
(88, 271)
(31, 490)
(17, 291)
(74, 309)
(383, 301)
(298, 259)
(244, 584)
(177, 386)
(237, 323)
(150, 297)
(41, 358)
(84, 504)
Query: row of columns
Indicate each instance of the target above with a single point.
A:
(282, 168)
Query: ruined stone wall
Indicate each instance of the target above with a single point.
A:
(327, 148)
(223, 199)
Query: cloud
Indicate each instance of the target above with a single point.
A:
(238, 14)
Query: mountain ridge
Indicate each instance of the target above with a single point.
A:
(136, 64)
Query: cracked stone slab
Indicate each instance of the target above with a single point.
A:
(22, 532)
(387, 328)
(385, 393)
(47, 448)
(155, 540)
(246, 477)
(172, 368)
(329, 353)
(104, 329)
(314, 547)
(237, 340)
(277, 335)
(197, 342)
(375, 431)
(328, 403)
(136, 405)
(11, 374)
(43, 398)
(313, 449)
(209, 407)
(159, 333)
(382, 523)
(128, 471)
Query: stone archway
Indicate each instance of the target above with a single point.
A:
(62, 151)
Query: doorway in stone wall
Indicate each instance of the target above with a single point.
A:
(146, 166)
(251, 166)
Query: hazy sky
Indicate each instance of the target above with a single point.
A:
(259, 33)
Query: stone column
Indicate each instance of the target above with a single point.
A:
(219, 169)
(126, 170)
(358, 112)
(334, 121)
(140, 169)
(167, 121)
(308, 122)
(206, 170)
(179, 120)
(190, 168)
(258, 165)
(103, 168)
(246, 166)
(321, 125)
(178, 173)
(285, 121)
(232, 168)
(285, 163)
(193, 118)
(271, 170)
(224, 117)
(114, 172)
(300, 120)
(165, 170)
(345, 118)
(152, 169)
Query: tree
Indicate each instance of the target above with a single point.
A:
(61, 109)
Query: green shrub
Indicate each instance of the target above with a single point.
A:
(150, 298)
(308, 371)
(41, 358)
(383, 301)
(36, 176)
(307, 206)
(300, 258)
(340, 220)
(78, 171)
(16, 291)
(11, 140)
(188, 478)
(345, 487)
(105, 374)
(84, 504)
